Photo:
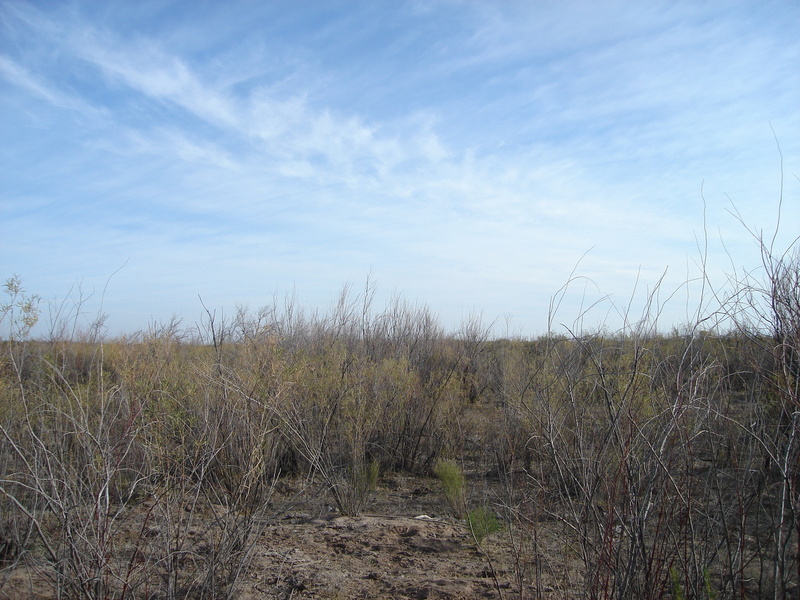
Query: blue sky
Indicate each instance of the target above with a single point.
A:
(470, 156)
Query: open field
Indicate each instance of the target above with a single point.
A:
(275, 455)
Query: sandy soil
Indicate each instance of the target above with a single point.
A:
(404, 545)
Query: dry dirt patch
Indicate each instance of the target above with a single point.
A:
(370, 557)
(406, 546)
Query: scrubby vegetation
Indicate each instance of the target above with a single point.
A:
(671, 461)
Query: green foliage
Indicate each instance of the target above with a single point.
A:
(678, 591)
(677, 588)
(709, 588)
(482, 522)
(369, 475)
(452, 479)
(360, 481)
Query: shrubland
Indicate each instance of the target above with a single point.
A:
(670, 462)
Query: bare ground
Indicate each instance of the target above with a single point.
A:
(403, 545)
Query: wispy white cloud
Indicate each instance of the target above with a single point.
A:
(469, 163)
(17, 75)
(147, 69)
